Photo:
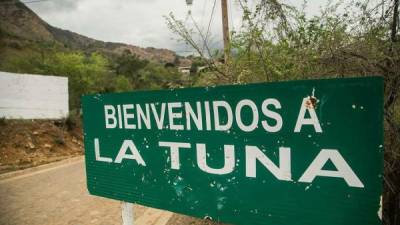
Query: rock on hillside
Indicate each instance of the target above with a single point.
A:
(19, 21)
(27, 143)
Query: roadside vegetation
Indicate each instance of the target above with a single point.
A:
(279, 42)
(94, 72)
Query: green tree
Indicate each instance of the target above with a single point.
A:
(128, 65)
(122, 84)
(87, 74)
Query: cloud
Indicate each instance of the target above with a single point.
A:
(137, 22)
(51, 6)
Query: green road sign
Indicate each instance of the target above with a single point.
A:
(298, 152)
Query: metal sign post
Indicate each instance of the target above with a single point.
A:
(127, 213)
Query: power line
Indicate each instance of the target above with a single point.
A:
(209, 25)
(211, 18)
(203, 14)
(187, 18)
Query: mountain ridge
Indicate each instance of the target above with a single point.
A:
(20, 22)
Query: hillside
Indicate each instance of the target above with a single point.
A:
(27, 143)
(21, 28)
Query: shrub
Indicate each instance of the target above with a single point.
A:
(3, 121)
(72, 120)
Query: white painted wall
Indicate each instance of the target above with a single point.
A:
(26, 96)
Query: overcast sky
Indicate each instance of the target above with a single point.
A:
(141, 22)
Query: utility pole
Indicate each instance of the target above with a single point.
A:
(225, 30)
(395, 20)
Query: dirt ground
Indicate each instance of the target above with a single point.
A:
(178, 219)
(28, 143)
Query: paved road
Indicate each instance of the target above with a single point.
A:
(58, 195)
